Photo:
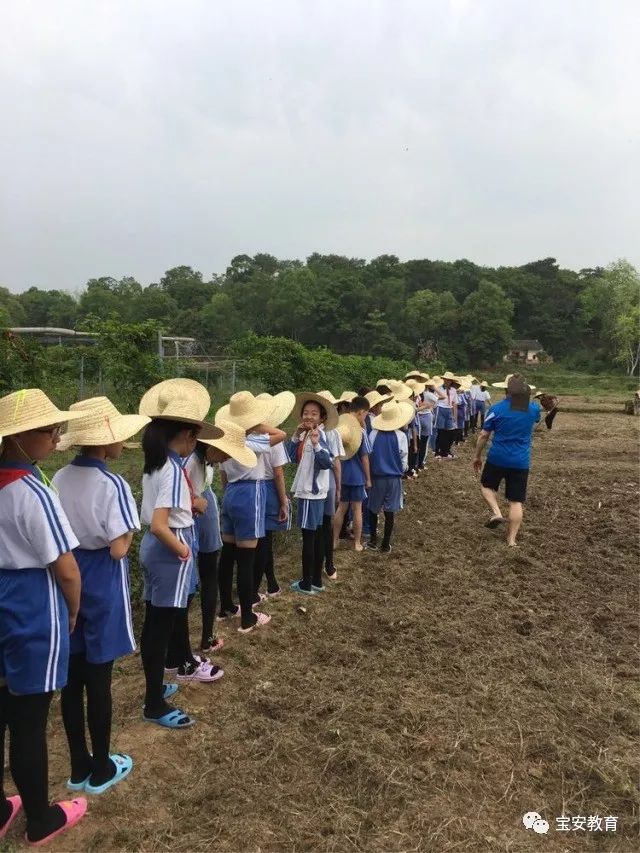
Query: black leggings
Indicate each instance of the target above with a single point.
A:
(245, 558)
(179, 651)
(327, 535)
(389, 518)
(422, 450)
(413, 457)
(208, 571)
(444, 440)
(264, 565)
(156, 632)
(312, 557)
(95, 678)
(26, 719)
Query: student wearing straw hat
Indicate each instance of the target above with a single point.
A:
(309, 448)
(104, 517)
(243, 507)
(510, 424)
(336, 449)
(447, 416)
(39, 601)
(389, 461)
(176, 408)
(277, 505)
(356, 476)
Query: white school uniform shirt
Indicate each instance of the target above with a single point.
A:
(476, 393)
(34, 529)
(430, 397)
(276, 455)
(302, 486)
(260, 443)
(334, 440)
(200, 475)
(98, 504)
(167, 488)
(486, 396)
(446, 401)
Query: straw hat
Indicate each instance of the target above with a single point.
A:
(282, 403)
(451, 377)
(416, 374)
(101, 423)
(245, 410)
(506, 382)
(400, 390)
(156, 398)
(394, 415)
(233, 443)
(30, 408)
(416, 385)
(309, 397)
(383, 382)
(350, 433)
(374, 398)
(346, 397)
(328, 396)
(435, 381)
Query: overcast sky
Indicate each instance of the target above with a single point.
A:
(138, 135)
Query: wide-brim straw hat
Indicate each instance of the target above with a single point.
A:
(416, 374)
(394, 415)
(245, 410)
(451, 377)
(350, 433)
(327, 396)
(435, 381)
(506, 382)
(383, 382)
(282, 403)
(304, 397)
(347, 397)
(101, 424)
(30, 408)
(233, 443)
(375, 398)
(400, 390)
(417, 385)
(155, 400)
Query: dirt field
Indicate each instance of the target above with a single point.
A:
(426, 701)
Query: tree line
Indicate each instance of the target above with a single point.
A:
(453, 312)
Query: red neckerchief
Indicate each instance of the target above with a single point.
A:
(189, 486)
(300, 448)
(10, 475)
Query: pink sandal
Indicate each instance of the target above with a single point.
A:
(74, 811)
(16, 806)
(263, 619)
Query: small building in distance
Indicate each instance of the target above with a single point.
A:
(527, 352)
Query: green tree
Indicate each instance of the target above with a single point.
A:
(12, 312)
(485, 324)
(49, 308)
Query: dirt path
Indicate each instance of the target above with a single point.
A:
(429, 699)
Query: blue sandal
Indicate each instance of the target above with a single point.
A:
(124, 766)
(295, 586)
(77, 786)
(168, 690)
(174, 719)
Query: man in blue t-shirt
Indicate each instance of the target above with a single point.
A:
(511, 423)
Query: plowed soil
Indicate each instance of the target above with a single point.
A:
(425, 701)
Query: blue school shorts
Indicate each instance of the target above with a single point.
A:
(353, 494)
(208, 525)
(385, 494)
(167, 580)
(243, 509)
(104, 628)
(310, 513)
(273, 509)
(34, 631)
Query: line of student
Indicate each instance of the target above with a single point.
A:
(65, 611)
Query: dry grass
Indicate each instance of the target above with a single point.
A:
(429, 699)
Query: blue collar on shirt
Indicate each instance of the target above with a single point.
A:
(89, 462)
(171, 454)
(25, 466)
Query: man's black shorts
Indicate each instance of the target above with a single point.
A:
(515, 481)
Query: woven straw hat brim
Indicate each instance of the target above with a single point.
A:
(350, 433)
(282, 403)
(346, 397)
(400, 390)
(328, 396)
(374, 398)
(156, 398)
(207, 430)
(403, 413)
(230, 445)
(416, 374)
(418, 387)
(28, 409)
(259, 413)
(309, 397)
(112, 431)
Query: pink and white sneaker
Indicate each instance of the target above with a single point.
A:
(204, 672)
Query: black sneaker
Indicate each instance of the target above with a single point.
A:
(385, 549)
(371, 546)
